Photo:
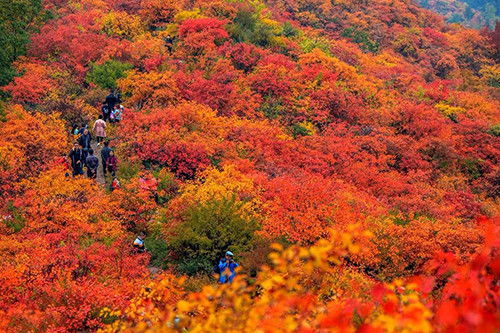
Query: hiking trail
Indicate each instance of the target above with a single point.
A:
(100, 170)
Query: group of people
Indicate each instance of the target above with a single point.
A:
(111, 109)
(226, 268)
(82, 155)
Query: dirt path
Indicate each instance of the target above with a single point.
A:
(100, 171)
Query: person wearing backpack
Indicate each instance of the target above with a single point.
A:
(227, 268)
(92, 163)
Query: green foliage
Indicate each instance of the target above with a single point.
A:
(289, 30)
(106, 75)
(495, 130)
(272, 109)
(247, 27)
(16, 18)
(209, 230)
(362, 38)
(158, 249)
(3, 114)
(308, 44)
(298, 130)
(167, 186)
(15, 220)
(472, 168)
(127, 170)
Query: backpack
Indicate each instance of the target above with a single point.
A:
(92, 162)
(217, 269)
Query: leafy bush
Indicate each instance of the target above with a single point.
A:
(158, 249)
(106, 75)
(209, 230)
(495, 130)
(167, 186)
(362, 38)
(127, 170)
(248, 27)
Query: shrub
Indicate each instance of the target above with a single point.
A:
(106, 75)
(158, 249)
(209, 230)
(362, 38)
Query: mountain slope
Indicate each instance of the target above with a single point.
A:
(361, 135)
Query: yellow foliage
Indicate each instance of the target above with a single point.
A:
(217, 185)
(122, 24)
(448, 110)
(281, 299)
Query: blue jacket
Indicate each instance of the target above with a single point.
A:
(224, 276)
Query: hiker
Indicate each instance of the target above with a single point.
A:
(139, 243)
(92, 164)
(76, 156)
(169, 42)
(104, 157)
(106, 111)
(226, 264)
(82, 129)
(116, 115)
(115, 184)
(112, 163)
(75, 130)
(84, 140)
(111, 100)
(99, 130)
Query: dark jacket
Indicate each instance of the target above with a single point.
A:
(105, 154)
(111, 100)
(85, 140)
(105, 111)
(92, 162)
(76, 155)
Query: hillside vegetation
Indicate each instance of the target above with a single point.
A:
(346, 151)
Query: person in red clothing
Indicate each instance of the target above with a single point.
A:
(112, 163)
(115, 184)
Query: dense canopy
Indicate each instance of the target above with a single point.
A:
(346, 151)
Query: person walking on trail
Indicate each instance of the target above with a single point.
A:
(100, 130)
(112, 163)
(104, 156)
(227, 267)
(82, 129)
(92, 163)
(115, 184)
(139, 243)
(85, 140)
(106, 111)
(111, 100)
(117, 113)
(76, 156)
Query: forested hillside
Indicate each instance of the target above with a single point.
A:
(345, 152)
(472, 13)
